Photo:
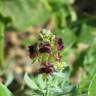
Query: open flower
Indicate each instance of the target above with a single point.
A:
(59, 43)
(33, 52)
(48, 69)
(45, 48)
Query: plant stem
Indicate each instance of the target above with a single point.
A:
(46, 87)
(1, 44)
(46, 80)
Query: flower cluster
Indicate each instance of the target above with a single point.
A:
(49, 68)
(47, 49)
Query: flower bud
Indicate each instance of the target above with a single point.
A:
(60, 45)
(45, 48)
(48, 69)
(33, 52)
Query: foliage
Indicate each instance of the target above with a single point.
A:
(92, 88)
(56, 86)
(23, 12)
(75, 28)
(4, 91)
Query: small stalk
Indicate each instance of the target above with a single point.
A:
(46, 94)
(1, 44)
(46, 87)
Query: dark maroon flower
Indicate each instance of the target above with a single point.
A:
(60, 45)
(33, 52)
(58, 57)
(46, 68)
(45, 48)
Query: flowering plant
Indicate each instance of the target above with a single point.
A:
(47, 51)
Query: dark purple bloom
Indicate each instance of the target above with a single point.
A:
(60, 45)
(45, 48)
(48, 69)
(33, 52)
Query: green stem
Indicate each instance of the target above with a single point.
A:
(46, 87)
(46, 80)
(46, 5)
(1, 44)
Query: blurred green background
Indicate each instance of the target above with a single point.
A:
(73, 20)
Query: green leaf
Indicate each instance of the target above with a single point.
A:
(9, 79)
(41, 82)
(73, 14)
(30, 83)
(60, 1)
(67, 36)
(4, 91)
(92, 87)
(25, 13)
(57, 90)
(1, 44)
(29, 42)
